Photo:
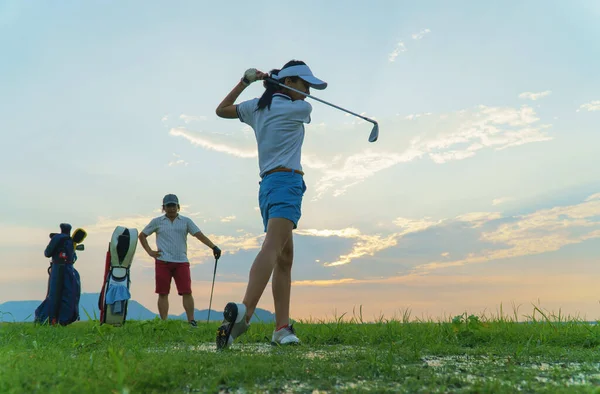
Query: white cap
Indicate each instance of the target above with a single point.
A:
(302, 71)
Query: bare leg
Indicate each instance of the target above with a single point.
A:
(163, 306)
(188, 305)
(279, 231)
(282, 284)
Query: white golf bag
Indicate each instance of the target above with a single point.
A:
(115, 294)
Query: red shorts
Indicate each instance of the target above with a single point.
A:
(179, 271)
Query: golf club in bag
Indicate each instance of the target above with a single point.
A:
(374, 132)
(211, 290)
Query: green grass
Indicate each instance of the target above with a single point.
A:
(465, 354)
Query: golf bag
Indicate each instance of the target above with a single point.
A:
(115, 294)
(61, 305)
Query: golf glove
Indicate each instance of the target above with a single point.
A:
(249, 76)
(216, 252)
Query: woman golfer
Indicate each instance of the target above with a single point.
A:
(278, 119)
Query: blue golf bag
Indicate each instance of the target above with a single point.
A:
(61, 305)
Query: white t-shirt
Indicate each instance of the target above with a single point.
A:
(171, 237)
(279, 131)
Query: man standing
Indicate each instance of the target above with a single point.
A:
(171, 255)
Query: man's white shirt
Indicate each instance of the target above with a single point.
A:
(171, 237)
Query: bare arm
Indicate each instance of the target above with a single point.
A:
(204, 239)
(227, 107)
(144, 241)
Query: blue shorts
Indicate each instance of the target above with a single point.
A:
(280, 196)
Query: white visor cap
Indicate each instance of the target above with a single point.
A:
(302, 71)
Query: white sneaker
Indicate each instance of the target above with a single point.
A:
(285, 336)
(234, 324)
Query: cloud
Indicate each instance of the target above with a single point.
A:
(478, 219)
(421, 34)
(230, 244)
(400, 47)
(310, 160)
(344, 233)
(415, 225)
(358, 167)
(325, 282)
(178, 161)
(452, 155)
(431, 281)
(416, 116)
(228, 219)
(364, 244)
(106, 225)
(208, 142)
(542, 231)
(501, 200)
(534, 96)
(369, 244)
(191, 118)
(591, 106)
(593, 197)
(459, 136)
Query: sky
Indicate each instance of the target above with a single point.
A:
(481, 195)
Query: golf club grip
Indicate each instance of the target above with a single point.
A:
(276, 82)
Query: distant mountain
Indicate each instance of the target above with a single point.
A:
(18, 310)
(23, 311)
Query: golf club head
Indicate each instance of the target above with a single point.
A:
(374, 133)
(79, 235)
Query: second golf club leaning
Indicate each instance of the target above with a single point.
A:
(211, 290)
(374, 132)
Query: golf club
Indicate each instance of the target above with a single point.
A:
(211, 290)
(374, 133)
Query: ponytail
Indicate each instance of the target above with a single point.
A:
(270, 89)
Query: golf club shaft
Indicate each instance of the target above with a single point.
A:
(211, 291)
(271, 80)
